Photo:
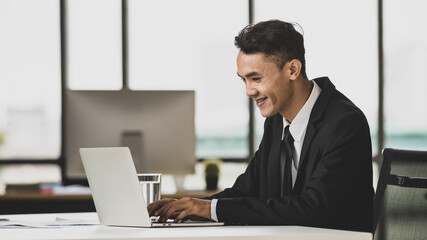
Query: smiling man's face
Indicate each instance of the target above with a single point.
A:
(269, 86)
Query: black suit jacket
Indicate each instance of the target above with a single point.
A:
(333, 188)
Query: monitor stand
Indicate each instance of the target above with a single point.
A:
(179, 183)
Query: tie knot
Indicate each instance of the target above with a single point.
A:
(287, 137)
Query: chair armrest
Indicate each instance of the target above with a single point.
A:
(412, 182)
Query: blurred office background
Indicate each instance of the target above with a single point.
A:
(373, 51)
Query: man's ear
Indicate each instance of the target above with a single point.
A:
(294, 68)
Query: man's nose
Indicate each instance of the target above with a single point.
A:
(250, 90)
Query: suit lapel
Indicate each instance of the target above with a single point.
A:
(315, 118)
(274, 161)
(310, 133)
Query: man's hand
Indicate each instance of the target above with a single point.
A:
(184, 208)
(155, 206)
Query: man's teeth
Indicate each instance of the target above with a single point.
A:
(260, 100)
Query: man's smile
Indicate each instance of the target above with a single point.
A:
(260, 101)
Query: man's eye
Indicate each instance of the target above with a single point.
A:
(256, 79)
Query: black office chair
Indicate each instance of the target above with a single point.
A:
(401, 197)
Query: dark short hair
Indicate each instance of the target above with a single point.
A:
(277, 40)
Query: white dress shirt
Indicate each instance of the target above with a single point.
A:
(297, 129)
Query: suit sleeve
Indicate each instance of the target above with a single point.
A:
(343, 153)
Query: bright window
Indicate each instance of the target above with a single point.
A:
(405, 58)
(93, 46)
(189, 45)
(30, 80)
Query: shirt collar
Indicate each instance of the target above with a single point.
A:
(299, 124)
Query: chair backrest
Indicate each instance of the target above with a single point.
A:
(401, 196)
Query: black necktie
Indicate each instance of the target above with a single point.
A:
(286, 155)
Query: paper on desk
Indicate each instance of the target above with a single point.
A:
(57, 223)
(72, 222)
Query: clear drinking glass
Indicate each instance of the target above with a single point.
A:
(151, 186)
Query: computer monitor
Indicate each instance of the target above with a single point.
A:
(158, 127)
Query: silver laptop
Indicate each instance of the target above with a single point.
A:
(116, 192)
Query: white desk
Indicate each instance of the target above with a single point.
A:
(223, 232)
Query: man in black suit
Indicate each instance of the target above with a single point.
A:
(313, 166)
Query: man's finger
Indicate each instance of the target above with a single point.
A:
(171, 208)
(182, 216)
(154, 207)
(162, 212)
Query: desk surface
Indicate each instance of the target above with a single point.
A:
(27, 202)
(223, 232)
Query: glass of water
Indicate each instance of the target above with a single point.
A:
(151, 185)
